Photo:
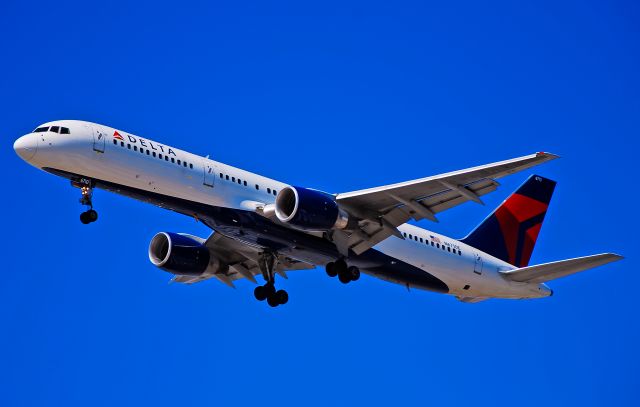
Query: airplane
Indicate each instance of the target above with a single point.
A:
(263, 227)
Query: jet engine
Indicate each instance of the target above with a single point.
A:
(179, 254)
(309, 209)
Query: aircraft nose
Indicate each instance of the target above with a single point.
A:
(26, 146)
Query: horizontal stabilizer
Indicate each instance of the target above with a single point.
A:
(557, 269)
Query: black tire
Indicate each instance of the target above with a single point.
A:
(282, 296)
(331, 269)
(269, 290)
(272, 300)
(354, 273)
(340, 266)
(92, 215)
(344, 278)
(260, 293)
(84, 218)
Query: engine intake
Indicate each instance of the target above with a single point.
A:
(178, 254)
(309, 209)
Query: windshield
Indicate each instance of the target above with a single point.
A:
(55, 129)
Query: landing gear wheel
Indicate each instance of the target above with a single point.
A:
(272, 300)
(88, 216)
(282, 296)
(260, 293)
(84, 218)
(354, 273)
(331, 269)
(92, 215)
(344, 278)
(267, 263)
(340, 266)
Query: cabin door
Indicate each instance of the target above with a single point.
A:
(99, 137)
(209, 173)
(477, 266)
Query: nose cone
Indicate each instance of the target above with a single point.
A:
(26, 146)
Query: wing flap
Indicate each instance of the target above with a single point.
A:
(240, 261)
(557, 269)
(383, 209)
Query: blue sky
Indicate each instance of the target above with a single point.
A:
(337, 96)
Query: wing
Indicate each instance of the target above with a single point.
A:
(557, 269)
(383, 209)
(238, 260)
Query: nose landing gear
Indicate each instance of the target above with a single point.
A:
(86, 189)
(268, 291)
(344, 272)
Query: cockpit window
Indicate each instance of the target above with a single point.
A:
(41, 129)
(55, 129)
(64, 130)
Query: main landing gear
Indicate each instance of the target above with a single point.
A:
(344, 272)
(86, 189)
(267, 263)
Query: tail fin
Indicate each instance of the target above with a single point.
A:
(511, 231)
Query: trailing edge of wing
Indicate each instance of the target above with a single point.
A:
(383, 209)
(557, 269)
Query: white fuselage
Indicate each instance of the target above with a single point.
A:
(104, 153)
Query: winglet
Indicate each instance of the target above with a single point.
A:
(548, 156)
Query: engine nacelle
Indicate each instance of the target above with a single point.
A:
(310, 210)
(178, 254)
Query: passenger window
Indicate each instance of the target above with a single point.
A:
(173, 160)
(245, 183)
(129, 146)
(64, 130)
(404, 234)
(147, 152)
(233, 179)
(257, 187)
(449, 249)
(438, 245)
(55, 129)
(154, 153)
(420, 240)
(459, 253)
(115, 142)
(190, 165)
(166, 158)
(268, 190)
(220, 175)
(41, 129)
(160, 156)
(184, 164)
(178, 162)
(226, 177)
(135, 148)
(410, 236)
(275, 192)
(122, 144)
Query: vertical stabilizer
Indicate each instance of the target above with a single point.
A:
(511, 231)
